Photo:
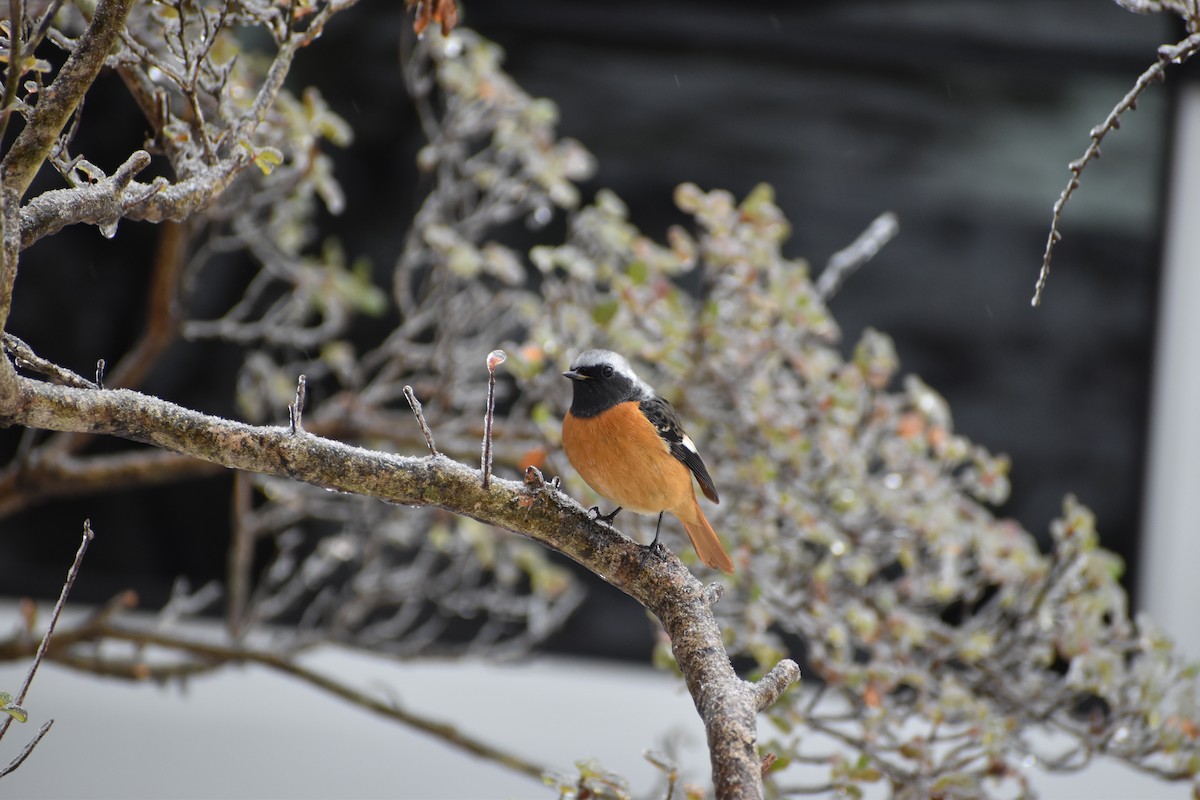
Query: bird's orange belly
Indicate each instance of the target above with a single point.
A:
(623, 459)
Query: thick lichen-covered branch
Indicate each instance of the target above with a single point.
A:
(533, 508)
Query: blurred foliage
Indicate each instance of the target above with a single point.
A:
(948, 654)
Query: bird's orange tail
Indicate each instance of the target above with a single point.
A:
(704, 538)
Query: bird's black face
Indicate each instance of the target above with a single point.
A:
(599, 387)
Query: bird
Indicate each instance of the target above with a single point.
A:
(626, 442)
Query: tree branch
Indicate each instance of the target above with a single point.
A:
(103, 203)
(10, 254)
(27, 359)
(27, 749)
(43, 646)
(209, 655)
(535, 509)
(58, 101)
(727, 704)
(845, 262)
(119, 197)
(24, 484)
(1167, 54)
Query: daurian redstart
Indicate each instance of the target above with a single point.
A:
(627, 443)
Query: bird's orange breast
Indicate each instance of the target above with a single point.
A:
(620, 455)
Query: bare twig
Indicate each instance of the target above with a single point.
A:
(296, 409)
(1184, 8)
(1167, 54)
(26, 358)
(768, 688)
(58, 102)
(52, 472)
(10, 256)
(72, 574)
(668, 768)
(209, 654)
(103, 203)
(846, 262)
(43, 25)
(16, 60)
(27, 749)
(494, 359)
(415, 405)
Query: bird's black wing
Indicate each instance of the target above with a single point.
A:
(666, 422)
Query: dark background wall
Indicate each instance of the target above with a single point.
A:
(957, 115)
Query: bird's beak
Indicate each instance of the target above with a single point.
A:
(575, 376)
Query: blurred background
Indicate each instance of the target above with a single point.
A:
(957, 115)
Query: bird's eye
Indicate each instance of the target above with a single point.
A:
(607, 371)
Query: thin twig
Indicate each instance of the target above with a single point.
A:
(415, 405)
(27, 749)
(43, 25)
(55, 105)
(58, 607)
(296, 409)
(1167, 54)
(16, 58)
(668, 767)
(28, 359)
(494, 359)
(845, 262)
(770, 686)
(288, 665)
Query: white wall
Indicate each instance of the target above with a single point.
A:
(1169, 576)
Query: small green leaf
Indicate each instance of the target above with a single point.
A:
(267, 159)
(12, 709)
(638, 272)
(365, 295)
(604, 312)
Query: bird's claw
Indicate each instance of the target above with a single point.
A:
(594, 513)
(656, 548)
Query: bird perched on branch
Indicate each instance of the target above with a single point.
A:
(627, 443)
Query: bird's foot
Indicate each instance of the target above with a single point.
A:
(607, 519)
(655, 548)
